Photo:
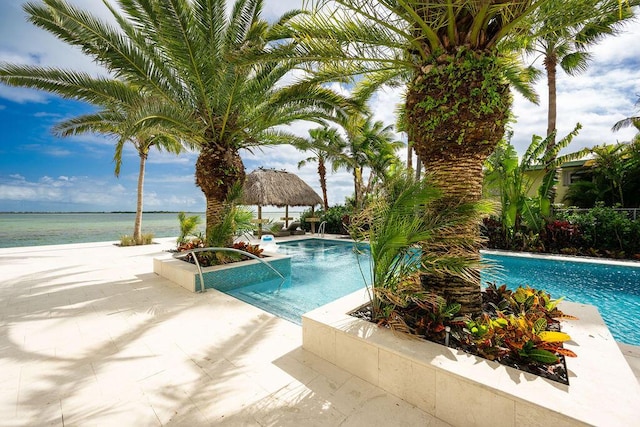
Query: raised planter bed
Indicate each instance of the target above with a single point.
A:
(221, 277)
(465, 390)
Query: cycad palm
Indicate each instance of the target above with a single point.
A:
(326, 144)
(189, 54)
(457, 98)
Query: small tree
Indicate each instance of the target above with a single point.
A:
(122, 104)
(507, 176)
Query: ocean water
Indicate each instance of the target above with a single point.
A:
(37, 229)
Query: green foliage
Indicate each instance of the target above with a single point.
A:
(585, 194)
(221, 234)
(609, 231)
(243, 220)
(519, 324)
(614, 178)
(403, 216)
(506, 176)
(146, 239)
(188, 226)
(335, 216)
(437, 108)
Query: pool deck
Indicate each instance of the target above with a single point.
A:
(89, 335)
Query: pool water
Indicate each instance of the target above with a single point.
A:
(323, 271)
(613, 289)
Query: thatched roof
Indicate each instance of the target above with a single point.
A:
(269, 187)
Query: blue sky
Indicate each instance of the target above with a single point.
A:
(39, 172)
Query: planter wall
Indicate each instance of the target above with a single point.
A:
(466, 390)
(221, 277)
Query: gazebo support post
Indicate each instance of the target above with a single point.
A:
(313, 224)
(259, 221)
(286, 216)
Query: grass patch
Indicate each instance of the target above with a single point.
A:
(127, 240)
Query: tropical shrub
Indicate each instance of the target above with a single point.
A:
(209, 258)
(248, 247)
(610, 232)
(188, 226)
(145, 239)
(404, 216)
(335, 216)
(560, 235)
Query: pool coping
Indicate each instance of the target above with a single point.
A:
(438, 379)
(560, 257)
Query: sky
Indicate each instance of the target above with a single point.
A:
(42, 173)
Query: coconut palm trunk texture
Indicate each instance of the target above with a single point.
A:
(457, 108)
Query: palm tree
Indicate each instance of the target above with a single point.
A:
(381, 153)
(114, 120)
(633, 121)
(193, 56)
(325, 144)
(368, 144)
(565, 39)
(457, 97)
(398, 219)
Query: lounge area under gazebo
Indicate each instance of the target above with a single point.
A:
(270, 187)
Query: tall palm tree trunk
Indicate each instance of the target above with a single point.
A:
(550, 64)
(453, 135)
(322, 172)
(137, 227)
(356, 188)
(217, 170)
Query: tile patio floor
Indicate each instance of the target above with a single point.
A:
(89, 335)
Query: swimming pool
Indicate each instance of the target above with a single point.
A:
(321, 271)
(325, 270)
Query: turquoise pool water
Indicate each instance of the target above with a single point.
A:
(323, 271)
(614, 289)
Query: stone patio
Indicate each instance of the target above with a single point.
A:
(89, 335)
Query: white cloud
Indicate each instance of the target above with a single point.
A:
(22, 96)
(597, 99)
(45, 114)
(94, 193)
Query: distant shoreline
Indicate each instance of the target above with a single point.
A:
(91, 212)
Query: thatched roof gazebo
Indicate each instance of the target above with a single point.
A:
(270, 187)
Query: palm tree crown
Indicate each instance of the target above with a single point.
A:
(564, 39)
(326, 144)
(457, 97)
(117, 116)
(192, 56)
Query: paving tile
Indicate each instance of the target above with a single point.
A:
(88, 343)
